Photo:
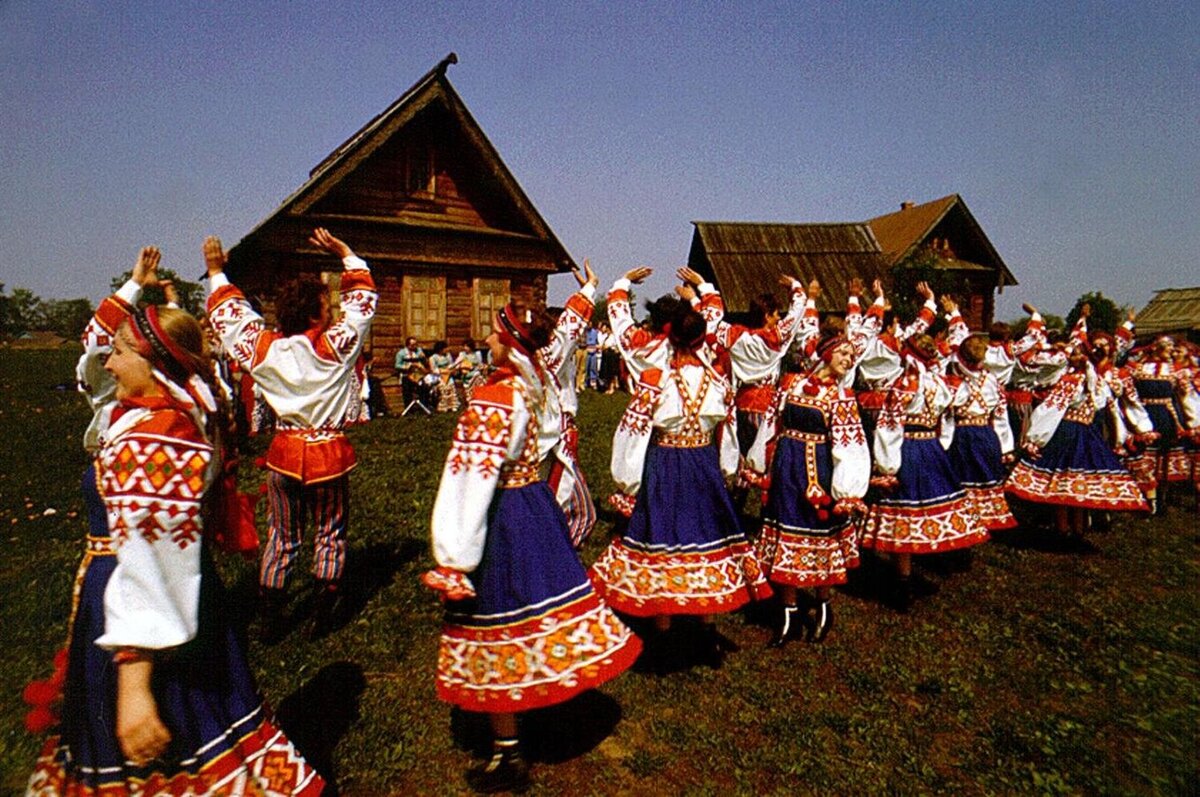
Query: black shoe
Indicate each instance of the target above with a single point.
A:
(824, 622)
(787, 627)
(324, 617)
(272, 627)
(506, 771)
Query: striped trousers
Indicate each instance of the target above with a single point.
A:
(289, 503)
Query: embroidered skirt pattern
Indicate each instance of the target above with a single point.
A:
(684, 551)
(536, 633)
(976, 459)
(1077, 469)
(798, 546)
(928, 511)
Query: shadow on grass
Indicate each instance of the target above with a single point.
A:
(1044, 540)
(368, 570)
(318, 714)
(550, 735)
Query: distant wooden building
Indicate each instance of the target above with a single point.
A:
(744, 259)
(1172, 311)
(420, 193)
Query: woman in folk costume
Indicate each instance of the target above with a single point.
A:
(441, 365)
(812, 455)
(642, 347)
(975, 428)
(1066, 463)
(756, 350)
(1125, 425)
(877, 352)
(924, 508)
(523, 626)
(683, 551)
(156, 696)
(558, 357)
(1163, 387)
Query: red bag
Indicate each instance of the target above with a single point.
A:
(232, 520)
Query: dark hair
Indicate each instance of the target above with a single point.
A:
(832, 326)
(999, 332)
(469, 343)
(540, 325)
(439, 346)
(298, 304)
(762, 306)
(687, 328)
(662, 310)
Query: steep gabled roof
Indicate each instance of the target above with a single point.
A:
(1171, 310)
(901, 232)
(746, 258)
(433, 88)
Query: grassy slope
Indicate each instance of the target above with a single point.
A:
(1042, 669)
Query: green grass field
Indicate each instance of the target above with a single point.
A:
(1048, 668)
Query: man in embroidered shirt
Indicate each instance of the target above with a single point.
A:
(305, 370)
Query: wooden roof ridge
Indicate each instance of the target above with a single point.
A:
(706, 230)
(1170, 308)
(431, 87)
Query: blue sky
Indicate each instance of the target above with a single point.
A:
(1072, 130)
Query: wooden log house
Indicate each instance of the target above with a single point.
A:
(743, 258)
(422, 195)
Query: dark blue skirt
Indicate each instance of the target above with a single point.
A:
(684, 551)
(683, 503)
(205, 695)
(536, 633)
(1076, 469)
(975, 457)
(928, 511)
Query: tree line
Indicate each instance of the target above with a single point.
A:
(23, 311)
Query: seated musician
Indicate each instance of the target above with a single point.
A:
(411, 365)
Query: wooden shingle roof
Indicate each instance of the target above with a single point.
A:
(432, 90)
(1171, 310)
(745, 258)
(901, 232)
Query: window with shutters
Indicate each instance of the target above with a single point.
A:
(424, 303)
(489, 296)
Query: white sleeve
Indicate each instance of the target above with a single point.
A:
(851, 457)
(471, 474)
(152, 599)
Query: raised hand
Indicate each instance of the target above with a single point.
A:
(814, 288)
(214, 256)
(685, 292)
(688, 277)
(588, 277)
(877, 287)
(636, 275)
(791, 283)
(856, 286)
(322, 239)
(145, 271)
(949, 305)
(924, 291)
(1085, 311)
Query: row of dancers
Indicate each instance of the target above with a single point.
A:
(917, 462)
(152, 692)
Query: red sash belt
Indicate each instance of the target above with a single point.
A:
(311, 456)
